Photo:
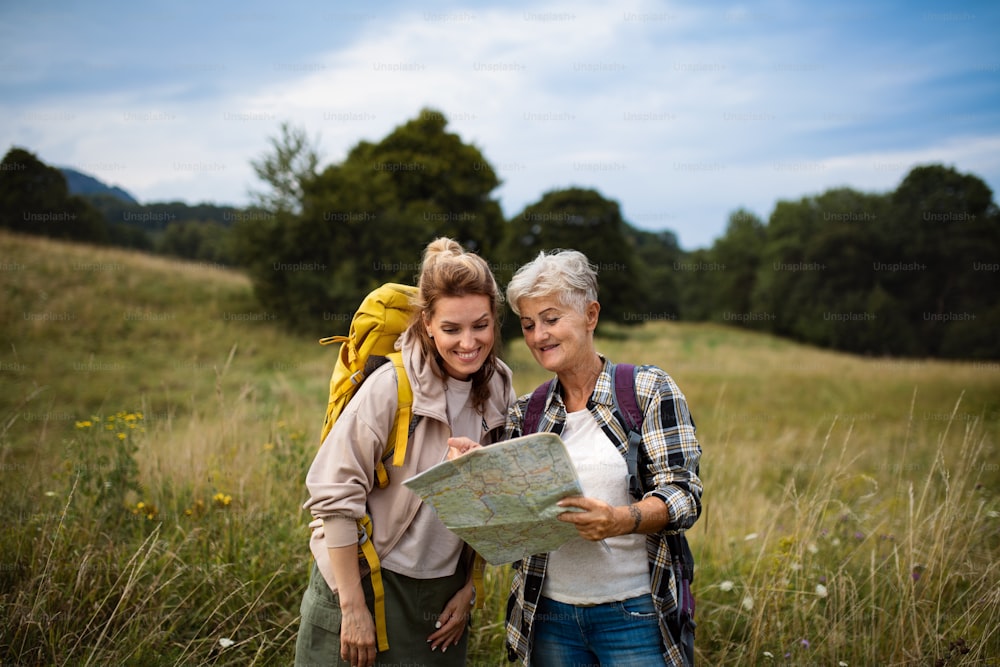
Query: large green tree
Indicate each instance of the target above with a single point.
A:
(365, 221)
(34, 199)
(657, 255)
(944, 227)
(818, 271)
(718, 283)
(912, 272)
(286, 169)
(582, 219)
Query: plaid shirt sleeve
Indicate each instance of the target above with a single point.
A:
(515, 418)
(670, 448)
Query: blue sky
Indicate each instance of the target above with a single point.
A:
(682, 112)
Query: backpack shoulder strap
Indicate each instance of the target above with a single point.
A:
(626, 402)
(403, 425)
(627, 407)
(536, 406)
(366, 550)
(401, 431)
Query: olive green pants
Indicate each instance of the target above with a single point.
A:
(412, 607)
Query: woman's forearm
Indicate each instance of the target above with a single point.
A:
(648, 515)
(347, 572)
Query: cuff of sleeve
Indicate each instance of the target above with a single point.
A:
(676, 508)
(659, 494)
(340, 531)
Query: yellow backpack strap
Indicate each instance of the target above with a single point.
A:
(395, 448)
(367, 550)
(404, 412)
(478, 566)
(381, 475)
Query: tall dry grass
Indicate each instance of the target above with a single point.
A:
(850, 515)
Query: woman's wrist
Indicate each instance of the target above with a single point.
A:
(635, 514)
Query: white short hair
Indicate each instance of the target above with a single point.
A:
(568, 274)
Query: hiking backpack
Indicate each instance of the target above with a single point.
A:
(380, 319)
(629, 414)
(378, 322)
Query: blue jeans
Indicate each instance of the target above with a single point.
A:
(623, 634)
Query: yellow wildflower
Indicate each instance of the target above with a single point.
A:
(149, 510)
(197, 508)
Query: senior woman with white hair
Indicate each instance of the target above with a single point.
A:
(611, 596)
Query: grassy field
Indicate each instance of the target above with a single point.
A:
(156, 425)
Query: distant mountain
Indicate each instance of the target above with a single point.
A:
(84, 184)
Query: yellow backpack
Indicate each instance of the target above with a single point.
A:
(382, 317)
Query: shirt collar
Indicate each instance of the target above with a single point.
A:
(603, 393)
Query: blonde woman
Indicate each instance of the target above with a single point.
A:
(460, 389)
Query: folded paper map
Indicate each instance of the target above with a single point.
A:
(502, 499)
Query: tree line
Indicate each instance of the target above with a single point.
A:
(912, 272)
(35, 198)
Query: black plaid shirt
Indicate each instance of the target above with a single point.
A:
(669, 461)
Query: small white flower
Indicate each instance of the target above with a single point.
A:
(726, 586)
(812, 548)
(835, 541)
(751, 536)
(748, 603)
(796, 567)
(768, 654)
(50, 494)
(821, 590)
(226, 642)
(842, 664)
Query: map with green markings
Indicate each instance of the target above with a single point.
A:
(502, 499)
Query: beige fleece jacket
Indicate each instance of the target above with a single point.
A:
(341, 480)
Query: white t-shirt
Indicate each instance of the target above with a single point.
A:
(427, 549)
(583, 572)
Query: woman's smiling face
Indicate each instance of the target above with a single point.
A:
(462, 330)
(559, 337)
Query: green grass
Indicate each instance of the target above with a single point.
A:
(874, 479)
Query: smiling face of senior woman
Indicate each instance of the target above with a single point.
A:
(560, 337)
